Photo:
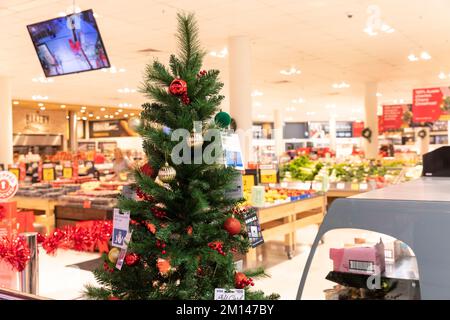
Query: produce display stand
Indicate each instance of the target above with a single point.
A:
(70, 215)
(37, 205)
(285, 218)
(416, 213)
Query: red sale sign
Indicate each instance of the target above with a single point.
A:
(358, 127)
(393, 116)
(8, 185)
(431, 104)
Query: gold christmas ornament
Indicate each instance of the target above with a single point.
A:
(195, 140)
(113, 255)
(167, 173)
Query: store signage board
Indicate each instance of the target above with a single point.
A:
(357, 127)
(231, 147)
(431, 104)
(48, 174)
(111, 129)
(248, 181)
(67, 172)
(229, 294)
(268, 176)
(254, 232)
(121, 223)
(9, 184)
(15, 171)
(393, 116)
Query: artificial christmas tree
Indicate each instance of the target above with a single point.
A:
(179, 247)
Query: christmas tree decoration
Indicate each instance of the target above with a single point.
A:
(167, 173)
(163, 266)
(185, 99)
(132, 259)
(196, 198)
(150, 227)
(241, 281)
(222, 119)
(195, 140)
(232, 226)
(178, 87)
(113, 255)
(135, 123)
(113, 298)
(15, 252)
(147, 170)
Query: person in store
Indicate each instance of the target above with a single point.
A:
(121, 165)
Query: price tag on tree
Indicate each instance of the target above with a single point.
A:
(121, 223)
(230, 294)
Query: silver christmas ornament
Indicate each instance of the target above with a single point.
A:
(167, 173)
(135, 123)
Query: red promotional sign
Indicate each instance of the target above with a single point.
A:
(8, 185)
(393, 116)
(431, 104)
(358, 127)
(380, 125)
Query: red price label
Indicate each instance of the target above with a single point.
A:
(86, 204)
(8, 185)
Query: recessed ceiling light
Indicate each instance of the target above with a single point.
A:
(290, 72)
(84, 118)
(42, 79)
(111, 116)
(83, 108)
(40, 104)
(221, 54)
(67, 117)
(256, 93)
(113, 69)
(442, 76)
(39, 97)
(82, 111)
(16, 102)
(116, 113)
(412, 57)
(370, 32)
(298, 101)
(42, 108)
(106, 116)
(132, 114)
(91, 115)
(125, 115)
(125, 104)
(342, 85)
(120, 110)
(63, 106)
(102, 109)
(126, 90)
(425, 56)
(97, 117)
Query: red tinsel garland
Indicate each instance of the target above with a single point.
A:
(15, 252)
(2, 212)
(79, 238)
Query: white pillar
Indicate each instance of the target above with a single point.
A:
(422, 144)
(332, 124)
(6, 122)
(73, 131)
(278, 132)
(371, 107)
(240, 87)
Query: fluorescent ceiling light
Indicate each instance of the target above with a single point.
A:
(342, 85)
(16, 102)
(42, 108)
(102, 109)
(126, 90)
(39, 97)
(442, 76)
(42, 79)
(40, 104)
(63, 106)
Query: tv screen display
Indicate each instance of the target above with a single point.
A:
(295, 130)
(69, 44)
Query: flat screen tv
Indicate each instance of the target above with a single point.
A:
(69, 44)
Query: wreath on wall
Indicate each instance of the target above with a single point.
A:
(422, 134)
(367, 134)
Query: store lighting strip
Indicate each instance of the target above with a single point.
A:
(342, 85)
(290, 72)
(424, 56)
(221, 54)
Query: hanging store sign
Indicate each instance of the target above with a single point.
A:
(431, 104)
(393, 116)
(111, 129)
(357, 127)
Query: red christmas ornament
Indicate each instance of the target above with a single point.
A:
(241, 281)
(232, 226)
(178, 87)
(132, 259)
(113, 298)
(158, 213)
(147, 170)
(189, 230)
(185, 99)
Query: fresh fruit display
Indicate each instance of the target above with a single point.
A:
(281, 195)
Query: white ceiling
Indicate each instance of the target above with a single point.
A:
(313, 35)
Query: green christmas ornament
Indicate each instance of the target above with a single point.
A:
(222, 119)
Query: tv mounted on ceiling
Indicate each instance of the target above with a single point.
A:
(69, 44)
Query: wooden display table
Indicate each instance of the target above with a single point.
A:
(284, 220)
(70, 215)
(38, 206)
